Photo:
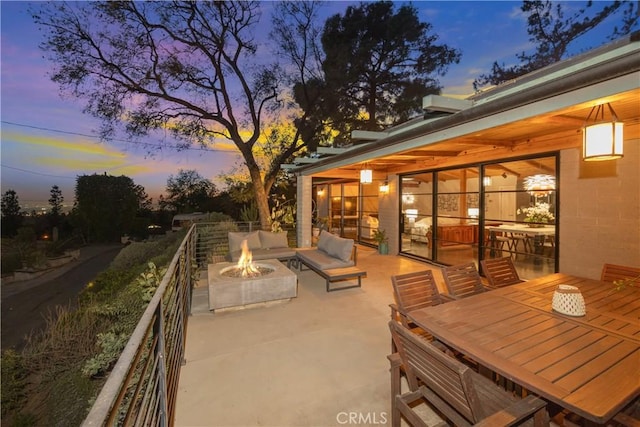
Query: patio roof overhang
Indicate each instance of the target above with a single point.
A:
(541, 112)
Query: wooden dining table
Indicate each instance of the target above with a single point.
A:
(589, 365)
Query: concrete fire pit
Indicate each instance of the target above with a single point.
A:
(226, 292)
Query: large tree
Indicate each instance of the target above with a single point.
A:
(11, 213)
(106, 206)
(379, 64)
(552, 34)
(188, 68)
(55, 201)
(189, 192)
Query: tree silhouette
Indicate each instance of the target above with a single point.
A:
(379, 64)
(553, 33)
(188, 69)
(11, 213)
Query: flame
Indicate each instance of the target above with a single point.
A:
(245, 263)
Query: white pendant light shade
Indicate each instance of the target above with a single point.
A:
(366, 176)
(602, 140)
(539, 185)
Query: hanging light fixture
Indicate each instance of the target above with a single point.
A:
(539, 185)
(602, 139)
(486, 181)
(366, 175)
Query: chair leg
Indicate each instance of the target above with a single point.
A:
(394, 359)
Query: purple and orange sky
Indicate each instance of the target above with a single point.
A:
(46, 139)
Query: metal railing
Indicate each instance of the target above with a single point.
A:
(142, 387)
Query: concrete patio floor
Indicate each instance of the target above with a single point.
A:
(317, 360)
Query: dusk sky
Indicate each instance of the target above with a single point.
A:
(46, 139)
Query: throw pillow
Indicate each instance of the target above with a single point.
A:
(340, 248)
(236, 238)
(323, 241)
(270, 239)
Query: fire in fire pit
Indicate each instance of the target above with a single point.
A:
(246, 267)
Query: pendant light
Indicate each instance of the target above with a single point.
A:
(602, 139)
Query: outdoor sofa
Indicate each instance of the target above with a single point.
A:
(334, 259)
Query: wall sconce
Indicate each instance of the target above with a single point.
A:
(473, 212)
(486, 181)
(539, 185)
(366, 175)
(320, 192)
(384, 188)
(601, 139)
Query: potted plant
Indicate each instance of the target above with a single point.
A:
(380, 236)
(322, 223)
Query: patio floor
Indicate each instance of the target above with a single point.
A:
(317, 360)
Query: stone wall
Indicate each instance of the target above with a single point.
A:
(599, 212)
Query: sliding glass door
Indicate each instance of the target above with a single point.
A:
(502, 209)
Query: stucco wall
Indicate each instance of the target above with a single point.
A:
(600, 216)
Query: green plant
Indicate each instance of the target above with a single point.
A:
(322, 222)
(13, 380)
(380, 236)
(112, 345)
(249, 213)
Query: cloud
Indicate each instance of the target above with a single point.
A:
(65, 147)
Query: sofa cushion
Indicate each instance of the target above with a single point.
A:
(321, 260)
(340, 248)
(323, 240)
(236, 238)
(270, 239)
(335, 246)
(260, 254)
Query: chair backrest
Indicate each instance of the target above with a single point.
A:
(445, 376)
(416, 290)
(462, 280)
(611, 272)
(500, 272)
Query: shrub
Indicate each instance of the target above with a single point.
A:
(11, 262)
(67, 361)
(112, 345)
(13, 380)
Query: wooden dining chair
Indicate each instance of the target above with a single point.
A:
(455, 391)
(612, 272)
(500, 272)
(462, 280)
(413, 291)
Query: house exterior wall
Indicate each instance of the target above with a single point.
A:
(600, 216)
(304, 211)
(389, 214)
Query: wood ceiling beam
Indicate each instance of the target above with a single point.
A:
(431, 153)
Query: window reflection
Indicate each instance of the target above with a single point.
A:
(490, 210)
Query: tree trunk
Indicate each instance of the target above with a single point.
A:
(262, 201)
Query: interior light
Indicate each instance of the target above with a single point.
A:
(602, 139)
(412, 213)
(384, 188)
(539, 185)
